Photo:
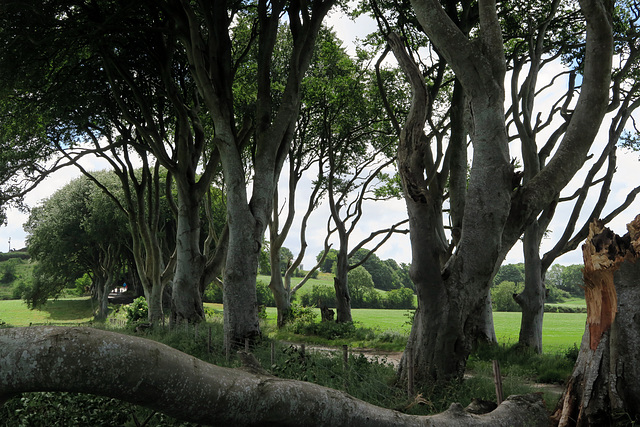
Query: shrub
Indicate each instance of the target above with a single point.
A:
(502, 297)
(82, 285)
(213, 293)
(399, 298)
(265, 296)
(319, 295)
(556, 295)
(19, 289)
(138, 310)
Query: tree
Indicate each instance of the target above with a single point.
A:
(361, 287)
(78, 230)
(605, 378)
(509, 273)
(110, 364)
(452, 286)
(270, 120)
(624, 101)
(329, 260)
(128, 80)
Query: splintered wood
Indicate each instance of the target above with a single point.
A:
(603, 252)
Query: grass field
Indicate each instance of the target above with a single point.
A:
(561, 330)
(68, 310)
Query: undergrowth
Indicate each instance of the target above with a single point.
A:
(371, 380)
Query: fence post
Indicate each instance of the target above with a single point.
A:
(209, 341)
(497, 379)
(273, 354)
(345, 365)
(410, 373)
(302, 350)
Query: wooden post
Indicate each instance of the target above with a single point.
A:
(410, 374)
(302, 350)
(497, 379)
(273, 354)
(345, 365)
(345, 357)
(209, 341)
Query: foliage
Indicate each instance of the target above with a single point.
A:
(502, 297)
(509, 273)
(555, 295)
(566, 278)
(382, 273)
(83, 284)
(74, 232)
(8, 270)
(328, 264)
(320, 295)
(137, 311)
(399, 298)
(213, 293)
(265, 296)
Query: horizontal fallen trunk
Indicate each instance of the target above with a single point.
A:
(148, 373)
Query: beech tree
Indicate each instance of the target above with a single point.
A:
(491, 212)
(77, 230)
(99, 362)
(120, 68)
(205, 27)
(538, 50)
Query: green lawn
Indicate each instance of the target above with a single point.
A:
(68, 310)
(561, 330)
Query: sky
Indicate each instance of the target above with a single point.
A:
(379, 214)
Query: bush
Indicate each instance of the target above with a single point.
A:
(265, 296)
(399, 298)
(320, 295)
(213, 293)
(137, 311)
(19, 290)
(502, 297)
(556, 295)
(82, 285)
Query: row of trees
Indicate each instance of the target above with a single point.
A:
(220, 87)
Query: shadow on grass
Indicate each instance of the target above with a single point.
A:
(69, 309)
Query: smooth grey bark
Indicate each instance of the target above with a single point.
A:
(493, 212)
(186, 298)
(606, 377)
(273, 130)
(531, 299)
(151, 374)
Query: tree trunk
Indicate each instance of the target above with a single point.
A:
(241, 320)
(148, 373)
(281, 293)
(531, 299)
(605, 383)
(341, 285)
(186, 300)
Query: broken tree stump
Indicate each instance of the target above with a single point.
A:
(605, 383)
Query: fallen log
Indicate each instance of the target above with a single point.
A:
(148, 373)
